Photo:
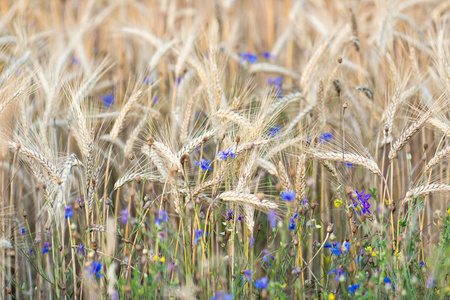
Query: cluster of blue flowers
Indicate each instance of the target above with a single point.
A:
(226, 153)
(326, 137)
(362, 200)
(336, 247)
(252, 58)
(276, 82)
(162, 217)
(204, 164)
(292, 222)
(274, 132)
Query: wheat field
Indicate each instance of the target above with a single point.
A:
(224, 149)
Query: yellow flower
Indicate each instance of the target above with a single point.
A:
(386, 201)
(163, 259)
(331, 296)
(338, 203)
(369, 249)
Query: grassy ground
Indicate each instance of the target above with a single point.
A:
(220, 149)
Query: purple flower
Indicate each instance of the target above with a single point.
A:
(266, 256)
(125, 215)
(304, 201)
(268, 55)
(272, 217)
(146, 80)
(240, 217)
(274, 132)
(262, 283)
(68, 211)
(353, 288)
(251, 58)
(252, 242)
(80, 249)
(95, 269)
(23, 231)
(198, 235)
(222, 296)
(431, 281)
(204, 164)
(288, 195)
(162, 217)
(229, 215)
(46, 248)
(326, 137)
(80, 202)
(338, 272)
(107, 100)
(226, 153)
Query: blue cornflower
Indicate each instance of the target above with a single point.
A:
(222, 296)
(339, 273)
(266, 256)
(262, 283)
(347, 246)
(272, 217)
(162, 217)
(94, 269)
(229, 215)
(146, 80)
(251, 58)
(349, 165)
(75, 61)
(353, 288)
(274, 132)
(292, 222)
(247, 275)
(107, 100)
(204, 164)
(288, 195)
(125, 215)
(326, 137)
(226, 153)
(155, 99)
(276, 82)
(68, 211)
(388, 281)
(80, 249)
(268, 55)
(46, 248)
(23, 231)
(198, 235)
(240, 217)
(252, 242)
(422, 264)
(335, 248)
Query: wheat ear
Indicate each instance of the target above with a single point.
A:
(359, 160)
(249, 199)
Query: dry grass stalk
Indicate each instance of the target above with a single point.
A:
(427, 189)
(283, 176)
(118, 125)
